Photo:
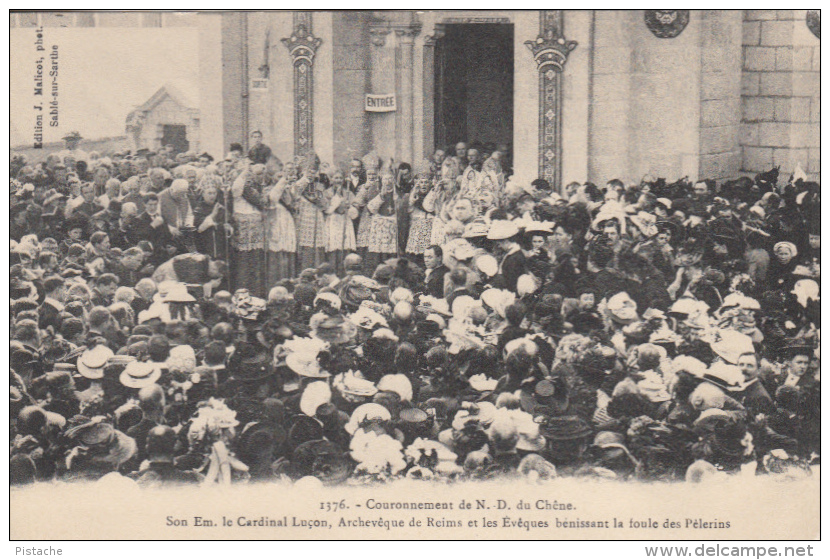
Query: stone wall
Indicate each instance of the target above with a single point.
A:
(664, 107)
(720, 94)
(780, 93)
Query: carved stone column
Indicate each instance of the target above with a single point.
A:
(302, 46)
(429, 90)
(404, 70)
(550, 50)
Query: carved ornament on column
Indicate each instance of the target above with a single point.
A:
(666, 24)
(430, 40)
(550, 51)
(378, 32)
(302, 46)
(408, 32)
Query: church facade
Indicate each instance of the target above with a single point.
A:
(574, 95)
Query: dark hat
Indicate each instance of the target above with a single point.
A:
(565, 428)
(383, 273)
(304, 428)
(260, 438)
(353, 294)
(548, 397)
(321, 459)
(74, 135)
(251, 363)
(798, 346)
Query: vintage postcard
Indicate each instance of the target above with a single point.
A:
(415, 274)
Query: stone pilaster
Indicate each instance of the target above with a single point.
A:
(550, 51)
(302, 46)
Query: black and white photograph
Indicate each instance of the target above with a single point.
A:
(415, 274)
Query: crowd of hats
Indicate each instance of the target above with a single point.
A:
(661, 331)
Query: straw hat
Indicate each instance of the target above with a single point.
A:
(91, 363)
(138, 375)
(502, 229)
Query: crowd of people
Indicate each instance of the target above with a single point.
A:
(181, 320)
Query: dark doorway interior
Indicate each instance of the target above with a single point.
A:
(175, 135)
(474, 84)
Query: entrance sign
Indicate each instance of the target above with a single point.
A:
(381, 103)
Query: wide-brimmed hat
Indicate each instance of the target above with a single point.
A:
(726, 376)
(355, 292)
(475, 229)
(612, 446)
(460, 249)
(367, 318)
(352, 384)
(333, 300)
(366, 413)
(530, 438)
(314, 395)
(92, 362)
(565, 428)
(645, 222)
(428, 304)
(532, 227)
(502, 229)
(335, 330)
(258, 438)
(109, 445)
(482, 413)
(729, 345)
(498, 300)
(321, 459)
(397, 383)
(622, 309)
(74, 135)
(138, 375)
(305, 364)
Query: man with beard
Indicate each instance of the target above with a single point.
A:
(469, 179)
(357, 176)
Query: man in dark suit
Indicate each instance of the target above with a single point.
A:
(513, 265)
(436, 270)
(50, 310)
(259, 153)
(151, 226)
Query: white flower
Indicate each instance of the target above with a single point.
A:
(377, 454)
